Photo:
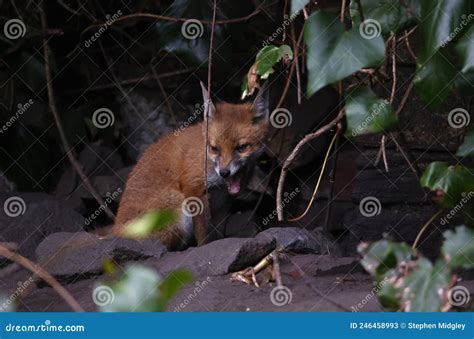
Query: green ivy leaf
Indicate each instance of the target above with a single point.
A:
(425, 288)
(265, 60)
(467, 147)
(458, 247)
(434, 79)
(452, 180)
(172, 284)
(382, 256)
(391, 15)
(465, 50)
(366, 113)
(439, 20)
(334, 53)
(149, 223)
(136, 291)
(140, 289)
(268, 57)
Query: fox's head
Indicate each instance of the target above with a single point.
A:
(236, 134)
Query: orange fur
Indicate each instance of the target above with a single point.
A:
(172, 169)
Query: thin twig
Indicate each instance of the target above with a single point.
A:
(424, 227)
(294, 153)
(405, 98)
(323, 167)
(343, 10)
(176, 19)
(131, 81)
(52, 104)
(332, 180)
(290, 75)
(209, 77)
(413, 167)
(43, 274)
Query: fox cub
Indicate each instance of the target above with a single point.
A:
(171, 172)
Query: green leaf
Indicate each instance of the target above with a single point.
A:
(425, 288)
(434, 79)
(173, 283)
(440, 19)
(452, 180)
(149, 223)
(136, 291)
(458, 248)
(465, 50)
(139, 289)
(265, 60)
(383, 256)
(190, 40)
(391, 15)
(467, 147)
(366, 113)
(298, 5)
(334, 53)
(268, 57)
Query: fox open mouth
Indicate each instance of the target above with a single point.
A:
(234, 183)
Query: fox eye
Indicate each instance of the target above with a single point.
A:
(242, 148)
(214, 149)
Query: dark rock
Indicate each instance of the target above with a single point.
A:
(107, 185)
(399, 184)
(294, 239)
(323, 265)
(398, 223)
(28, 218)
(218, 257)
(79, 255)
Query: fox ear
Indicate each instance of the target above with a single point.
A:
(208, 105)
(260, 105)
